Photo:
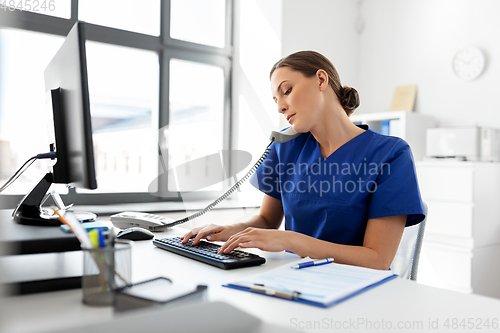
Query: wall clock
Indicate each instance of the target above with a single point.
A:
(468, 63)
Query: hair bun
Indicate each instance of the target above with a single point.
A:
(349, 99)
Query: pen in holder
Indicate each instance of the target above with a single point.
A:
(105, 269)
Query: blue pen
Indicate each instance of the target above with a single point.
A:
(313, 263)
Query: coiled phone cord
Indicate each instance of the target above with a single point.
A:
(222, 197)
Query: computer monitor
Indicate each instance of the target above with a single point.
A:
(66, 84)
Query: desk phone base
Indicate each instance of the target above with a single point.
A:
(207, 252)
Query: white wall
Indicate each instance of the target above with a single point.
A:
(257, 46)
(267, 30)
(325, 26)
(405, 42)
(414, 41)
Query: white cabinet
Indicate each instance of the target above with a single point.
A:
(461, 248)
(409, 126)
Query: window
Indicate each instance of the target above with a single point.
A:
(23, 129)
(199, 21)
(57, 8)
(131, 15)
(155, 88)
(124, 110)
(196, 121)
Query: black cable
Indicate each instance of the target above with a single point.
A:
(18, 173)
(24, 167)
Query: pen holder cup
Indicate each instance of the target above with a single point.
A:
(104, 271)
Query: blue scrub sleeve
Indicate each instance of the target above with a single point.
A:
(266, 177)
(397, 191)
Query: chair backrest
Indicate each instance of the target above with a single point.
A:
(405, 263)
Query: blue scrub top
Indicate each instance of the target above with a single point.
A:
(372, 175)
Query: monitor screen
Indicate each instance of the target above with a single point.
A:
(66, 80)
(66, 84)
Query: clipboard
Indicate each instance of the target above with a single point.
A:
(322, 286)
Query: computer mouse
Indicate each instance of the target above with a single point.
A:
(135, 234)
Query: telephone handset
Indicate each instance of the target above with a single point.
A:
(159, 223)
(284, 136)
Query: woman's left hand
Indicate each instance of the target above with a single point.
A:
(264, 239)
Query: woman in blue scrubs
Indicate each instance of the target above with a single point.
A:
(345, 191)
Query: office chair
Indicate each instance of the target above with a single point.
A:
(405, 263)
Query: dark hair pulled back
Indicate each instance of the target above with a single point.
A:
(308, 63)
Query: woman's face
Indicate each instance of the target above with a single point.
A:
(297, 97)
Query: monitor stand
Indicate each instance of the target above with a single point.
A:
(30, 212)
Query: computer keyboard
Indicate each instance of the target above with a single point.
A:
(207, 252)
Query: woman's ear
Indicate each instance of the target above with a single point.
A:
(322, 77)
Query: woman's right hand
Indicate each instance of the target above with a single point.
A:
(211, 232)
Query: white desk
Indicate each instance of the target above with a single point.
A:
(398, 302)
